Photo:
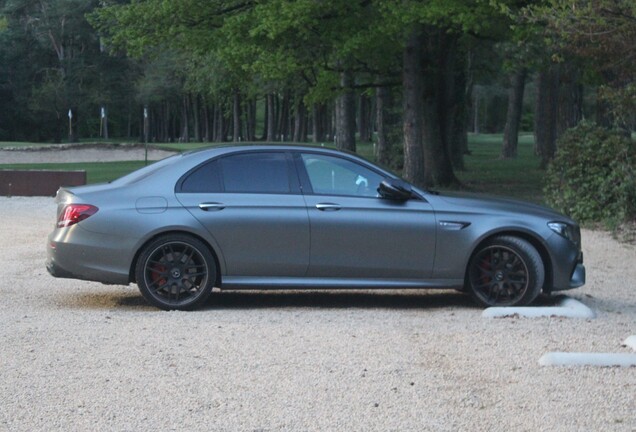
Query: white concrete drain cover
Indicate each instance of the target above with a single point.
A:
(567, 308)
(587, 359)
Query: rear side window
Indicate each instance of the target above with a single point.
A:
(256, 173)
(241, 173)
(205, 179)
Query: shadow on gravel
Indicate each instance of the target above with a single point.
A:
(338, 299)
(103, 300)
(284, 299)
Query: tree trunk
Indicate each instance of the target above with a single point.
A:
(299, 121)
(513, 116)
(570, 102)
(236, 116)
(383, 145)
(452, 102)
(196, 118)
(364, 118)
(476, 107)
(304, 120)
(271, 118)
(206, 121)
(319, 123)
(166, 121)
(226, 124)
(220, 133)
(185, 128)
(250, 130)
(545, 115)
(345, 114)
(283, 116)
(441, 50)
(105, 125)
(412, 82)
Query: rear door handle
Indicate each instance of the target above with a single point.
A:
(212, 206)
(328, 207)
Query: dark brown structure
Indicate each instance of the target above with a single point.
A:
(38, 182)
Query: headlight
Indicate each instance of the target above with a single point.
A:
(566, 230)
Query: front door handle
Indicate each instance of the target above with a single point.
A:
(214, 206)
(328, 207)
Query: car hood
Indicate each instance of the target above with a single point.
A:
(490, 204)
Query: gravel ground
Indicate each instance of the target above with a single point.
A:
(84, 356)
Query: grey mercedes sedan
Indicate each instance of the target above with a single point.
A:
(258, 217)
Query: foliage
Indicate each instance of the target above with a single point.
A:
(593, 176)
(601, 32)
(51, 60)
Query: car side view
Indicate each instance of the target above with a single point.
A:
(259, 217)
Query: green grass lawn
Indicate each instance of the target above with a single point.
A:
(485, 171)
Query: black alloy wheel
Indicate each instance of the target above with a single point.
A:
(176, 272)
(506, 271)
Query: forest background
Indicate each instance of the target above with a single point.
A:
(412, 77)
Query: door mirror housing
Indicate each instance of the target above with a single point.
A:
(395, 189)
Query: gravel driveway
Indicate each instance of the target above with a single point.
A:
(84, 153)
(85, 356)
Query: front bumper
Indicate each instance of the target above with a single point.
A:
(568, 271)
(578, 276)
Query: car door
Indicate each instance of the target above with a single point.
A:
(356, 234)
(250, 203)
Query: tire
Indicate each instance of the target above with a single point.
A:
(505, 271)
(176, 272)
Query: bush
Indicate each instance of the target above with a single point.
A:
(593, 176)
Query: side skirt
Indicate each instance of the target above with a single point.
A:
(242, 282)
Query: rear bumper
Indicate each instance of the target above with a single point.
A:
(58, 272)
(87, 257)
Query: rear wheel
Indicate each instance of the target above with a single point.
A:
(176, 272)
(506, 271)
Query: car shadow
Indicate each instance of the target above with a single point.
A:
(332, 299)
(338, 300)
(405, 299)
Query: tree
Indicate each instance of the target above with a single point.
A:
(52, 61)
(602, 34)
(337, 47)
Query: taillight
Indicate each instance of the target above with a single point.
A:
(74, 213)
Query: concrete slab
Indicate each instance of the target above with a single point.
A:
(588, 359)
(630, 342)
(567, 308)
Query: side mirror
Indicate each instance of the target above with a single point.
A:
(395, 189)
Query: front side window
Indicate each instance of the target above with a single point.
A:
(331, 175)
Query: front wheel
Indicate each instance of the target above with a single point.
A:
(176, 272)
(506, 271)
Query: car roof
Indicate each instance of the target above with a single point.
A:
(227, 148)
